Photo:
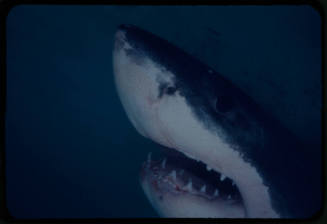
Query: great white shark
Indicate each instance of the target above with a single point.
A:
(229, 158)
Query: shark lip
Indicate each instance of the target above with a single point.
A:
(179, 174)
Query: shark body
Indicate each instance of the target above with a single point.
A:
(184, 105)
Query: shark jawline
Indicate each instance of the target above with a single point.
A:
(178, 102)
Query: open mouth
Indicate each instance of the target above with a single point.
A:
(177, 174)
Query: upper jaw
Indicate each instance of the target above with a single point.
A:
(164, 184)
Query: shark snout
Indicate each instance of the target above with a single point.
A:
(119, 39)
(120, 36)
(138, 79)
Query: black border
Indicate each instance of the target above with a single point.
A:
(5, 7)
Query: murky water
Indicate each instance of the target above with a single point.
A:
(70, 150)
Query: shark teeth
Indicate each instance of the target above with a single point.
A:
(173, 174)
(189, 185)
(148, 163)
(169, 171)
(149, 157)
(203, 189)
(163, 164)
(208, 168)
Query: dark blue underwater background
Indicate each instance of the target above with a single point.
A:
(71, 151)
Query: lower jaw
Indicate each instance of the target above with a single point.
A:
(218, 200)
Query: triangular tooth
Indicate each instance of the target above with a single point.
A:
(203, 189)
(208, 168)
(222, 177)
(173, 174)
(189, 185)
(149, 157)
(229, 197)
(216, 193)
(163, 164)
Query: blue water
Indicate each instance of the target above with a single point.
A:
(71, 151)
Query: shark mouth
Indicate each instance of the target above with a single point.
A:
(206, 122)
(160, 109)
(178, 175)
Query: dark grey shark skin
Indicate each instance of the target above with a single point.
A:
(291, 170)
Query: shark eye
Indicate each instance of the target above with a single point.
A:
(165, 89)
(223, 104)
(170, 90)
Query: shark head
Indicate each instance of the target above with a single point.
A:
(215, 135)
